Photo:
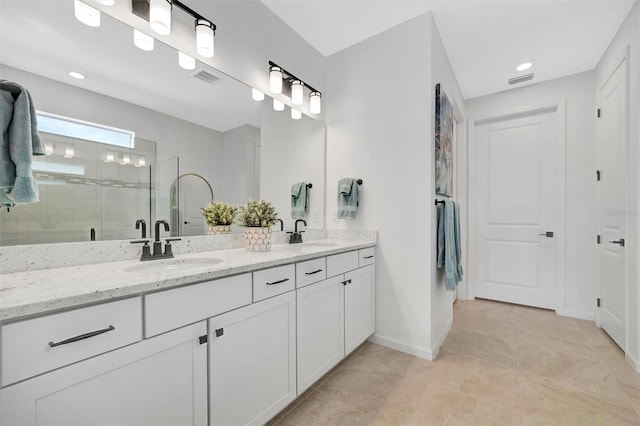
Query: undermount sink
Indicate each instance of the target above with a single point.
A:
(318, 244)
(176, 264)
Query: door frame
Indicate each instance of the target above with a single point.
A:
(621, 60)
(559, 108)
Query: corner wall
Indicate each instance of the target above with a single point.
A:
(380, 129)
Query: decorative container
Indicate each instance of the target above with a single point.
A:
(219, 229)
(257, 238)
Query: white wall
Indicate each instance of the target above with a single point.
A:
(292, 151)
(379, 129)
(239, 183)
(628, 36)
(442, 72)
(577, 90)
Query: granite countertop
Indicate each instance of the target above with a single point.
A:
(36, 292)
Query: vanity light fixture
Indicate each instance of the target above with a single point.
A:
(158, 13)
(282, 81)
(275, 79)
(160, 16)
(277, 105)
(109, 157)
(297, 92)
(296, 114)
(142, 161)
(48, 148)
(126, 159)
(185, 61)
(524, 66)
(86, 14)
(257, 95)
(142, 40)
(315, 102)
(77, 75)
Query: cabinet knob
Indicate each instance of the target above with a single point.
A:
(219, 332)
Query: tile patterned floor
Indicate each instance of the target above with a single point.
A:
(500, 365)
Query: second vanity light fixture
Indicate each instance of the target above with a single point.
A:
(279, 79)
(158, 12)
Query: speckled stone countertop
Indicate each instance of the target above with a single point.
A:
(36, 292)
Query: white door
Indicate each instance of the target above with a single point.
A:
(252, 361)
(612, 188)
(517, 210)
(359, 307)
(159, 381)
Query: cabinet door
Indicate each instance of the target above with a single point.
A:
(320, 315)
(252, 362)
(159, 381)
(359, 307)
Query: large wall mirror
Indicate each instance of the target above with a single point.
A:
(206, 132)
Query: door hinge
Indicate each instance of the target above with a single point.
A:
(598, 239)
(203, 339)
(598, 112)
(598, 302)
(598, 175)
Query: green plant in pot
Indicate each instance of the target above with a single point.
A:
(219, 216)
(257, 217)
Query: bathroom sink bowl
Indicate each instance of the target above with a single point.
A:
(175, 264)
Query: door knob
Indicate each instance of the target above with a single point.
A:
(620, 241)
(548, 234)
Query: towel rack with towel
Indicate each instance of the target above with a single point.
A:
(15, 91)
(438, 202)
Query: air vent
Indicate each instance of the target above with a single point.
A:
(206, 75)
(521, 79)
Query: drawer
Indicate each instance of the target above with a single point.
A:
(37, 345)
(273, 281)
(310, 272)
(366, 256)
(171, 309)
(341, 263)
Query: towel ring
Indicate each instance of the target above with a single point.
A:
(359, 181)
(309, 185)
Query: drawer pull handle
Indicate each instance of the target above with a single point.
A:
(82, 337)
(313, 272)
(279, 282)
(369, 257)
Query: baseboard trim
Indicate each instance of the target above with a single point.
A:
(589, 316)
(418, 351)
(632, 362)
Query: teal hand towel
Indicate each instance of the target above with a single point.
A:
(20, 142)
(347, 198)
(450, 255)
(299, 200)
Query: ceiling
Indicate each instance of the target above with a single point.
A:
(484, 39)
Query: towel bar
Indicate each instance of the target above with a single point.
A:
(438, 202)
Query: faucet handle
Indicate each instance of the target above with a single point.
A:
(146, 249)
(168, 252)
(140, 242)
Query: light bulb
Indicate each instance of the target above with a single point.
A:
(86, 14)
(297, 92)
(142, 161)
(275, 80)
(126, 159)
(315, 103)
(185, 61)
(48, 148)
(69, 152)
(295, 114)
(204, 38)
(257, 95)
(142, 40)
(109, 157)
(77, 75)
(160, 16)
(277, 105)
(524, 66)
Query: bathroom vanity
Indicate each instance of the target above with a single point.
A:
(221, 337)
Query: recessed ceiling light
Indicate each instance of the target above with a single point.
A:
(77, 75)
(524, 66)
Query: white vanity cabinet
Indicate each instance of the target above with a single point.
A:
(158, 381)
(252, 361)
(335, 315)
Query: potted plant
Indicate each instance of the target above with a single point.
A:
(219, 216)
(257, 217)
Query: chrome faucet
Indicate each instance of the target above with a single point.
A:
(296, 236)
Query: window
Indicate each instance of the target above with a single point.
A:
(58, 125)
